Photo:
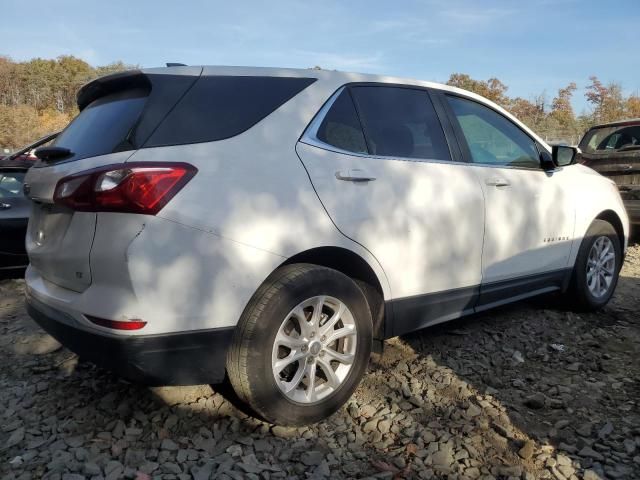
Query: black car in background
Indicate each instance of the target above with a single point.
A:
(613, 150)
(15, 208)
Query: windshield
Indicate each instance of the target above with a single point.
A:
(611, 139)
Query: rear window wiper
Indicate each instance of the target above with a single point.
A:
(48, 154)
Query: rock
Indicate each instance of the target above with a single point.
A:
(606, 430)
(590, 453)
(443, 457)
(566, 470)
(75, 442)
(535, 401)
(170, 422)
(113, 470)
(312, 458)
(235, 450)
(629, 446)
(170, 467)
(591, 475)
(585, 430)
(72, 476)
(284, 432)
(527, 450)
(370, 426)
(510, 470)
(135, 458)
(15, 438)
(168, 444)
(567, 448)
(367, 411)
(517, 357)
(384, 426)
(322, 470)
(473, 411)
(91, 469)
(573, 367)
(262, 445)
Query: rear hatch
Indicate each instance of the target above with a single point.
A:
(118, 113)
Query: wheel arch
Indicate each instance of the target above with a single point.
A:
(354, 266)
(613, 218)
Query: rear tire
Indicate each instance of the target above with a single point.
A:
(323, 328)
(595, 274)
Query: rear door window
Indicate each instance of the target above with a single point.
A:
(220, 107)
(400, 122)
(104, 125)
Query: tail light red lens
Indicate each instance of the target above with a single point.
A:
(132, 188)
(118, 324)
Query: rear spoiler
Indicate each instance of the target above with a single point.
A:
(109, 84)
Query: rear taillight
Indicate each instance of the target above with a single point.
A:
(134, 324)
(132, 188)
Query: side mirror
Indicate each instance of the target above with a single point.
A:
(564, 156)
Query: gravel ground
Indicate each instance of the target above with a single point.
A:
(528, 391)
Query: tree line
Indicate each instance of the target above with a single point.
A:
(555, 119)
(39, 96)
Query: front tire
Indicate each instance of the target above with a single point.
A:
(598, 264)
(301, 346)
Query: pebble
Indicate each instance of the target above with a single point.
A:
(311, 458)
(590, 453)
(526, 452)
(535, 401)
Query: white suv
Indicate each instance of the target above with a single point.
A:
(272, 226)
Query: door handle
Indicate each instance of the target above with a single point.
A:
(497, 182)
(355, 175)
(5, 206)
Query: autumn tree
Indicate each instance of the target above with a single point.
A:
(607, 100)
(493, 89)
(39, 96)
(632, 107)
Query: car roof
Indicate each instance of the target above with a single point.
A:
(618, 123)
(336, 78)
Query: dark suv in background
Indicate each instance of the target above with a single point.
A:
(613, 150)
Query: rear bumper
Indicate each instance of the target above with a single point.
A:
(185, 358)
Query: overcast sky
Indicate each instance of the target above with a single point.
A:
(532, 46)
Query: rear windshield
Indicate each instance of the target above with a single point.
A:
(611, 139)
(104, 126)
(219, 107)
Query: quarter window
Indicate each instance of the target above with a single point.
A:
(400, 122)
(492, 138)
(341, 127)
(220, 107)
